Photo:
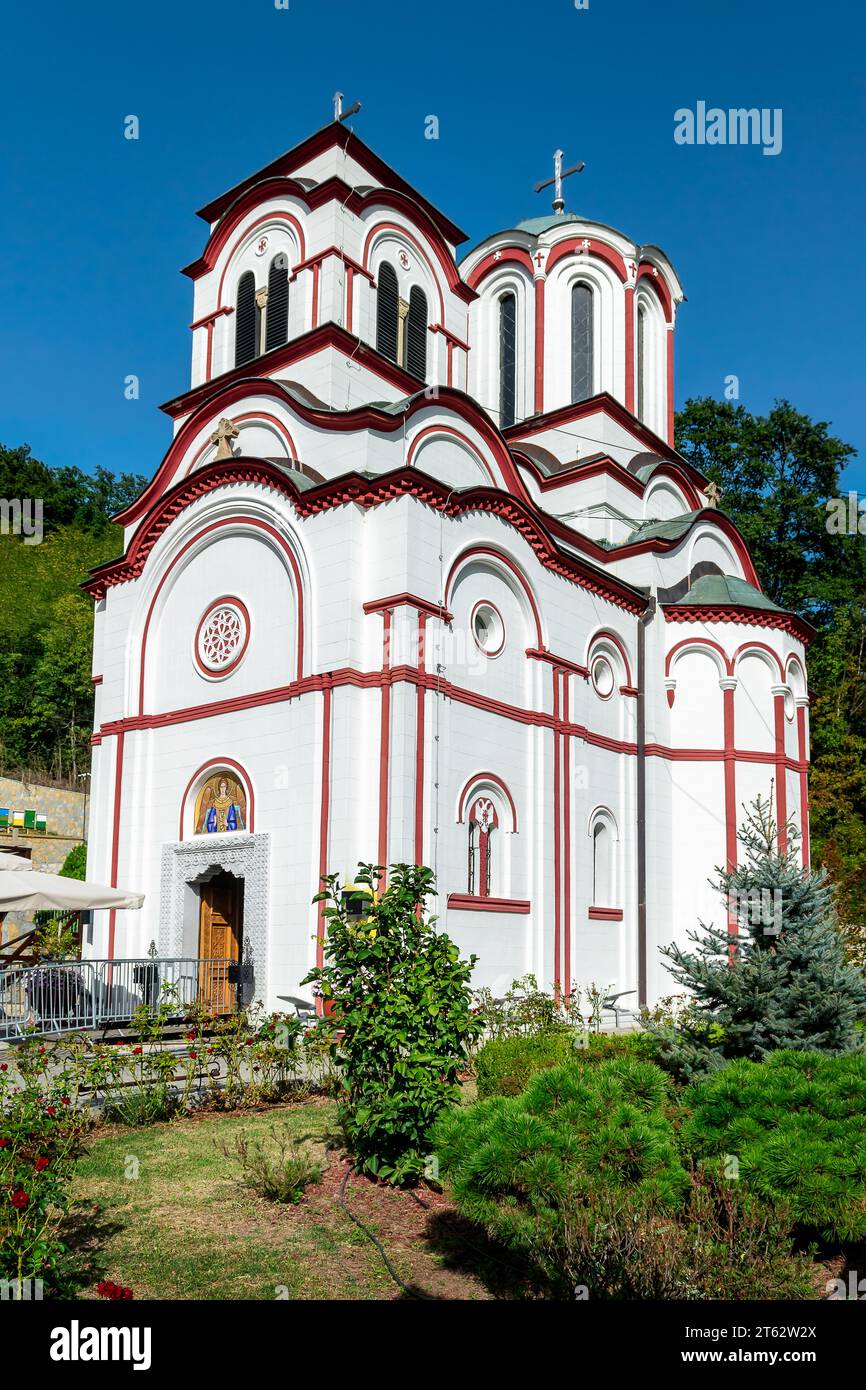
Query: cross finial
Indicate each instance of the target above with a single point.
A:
(556, 182)
(713, 494)
(222, 436)
(339, 113)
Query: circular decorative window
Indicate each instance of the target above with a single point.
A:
(222, 637)
(789, 704)
(602, 677)
(488, 629)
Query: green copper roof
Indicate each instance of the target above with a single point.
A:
(669, 530)
(536, 225)
(715, 589)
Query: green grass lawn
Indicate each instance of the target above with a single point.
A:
(175, 1222)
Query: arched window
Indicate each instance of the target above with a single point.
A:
(246, 320)
(387, 309)
(507, 359)
(415, 355)
(483, 821)
(641, 361)
(603, 885)
(277, 320)
(581, 343)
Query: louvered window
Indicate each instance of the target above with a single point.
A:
(386, 312)
(641, 363)
(277, 323)
(507, 359)
(246, 320)
(581, 343)
(416, 334)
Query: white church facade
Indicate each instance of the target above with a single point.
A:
(422, 578)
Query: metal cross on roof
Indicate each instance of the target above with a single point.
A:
(556, 182)
(339, 113)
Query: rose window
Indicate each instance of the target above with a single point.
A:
(222, 637)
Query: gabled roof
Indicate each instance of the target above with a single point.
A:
(333, 135)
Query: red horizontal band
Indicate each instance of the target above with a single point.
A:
(467, 902)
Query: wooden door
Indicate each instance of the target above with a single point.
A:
(220, 942)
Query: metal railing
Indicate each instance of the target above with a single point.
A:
(69, 996)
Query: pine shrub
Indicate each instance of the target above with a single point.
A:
(783, 982)
(514, 1162)
(795, 1126)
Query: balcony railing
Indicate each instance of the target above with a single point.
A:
(63, 997)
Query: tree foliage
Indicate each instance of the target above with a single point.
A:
(46, 694)
(783, 982)
(399, 995)
(777, 473)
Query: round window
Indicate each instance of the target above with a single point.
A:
(221, 638)
(602, 677)
(789, 704)
(488, 629)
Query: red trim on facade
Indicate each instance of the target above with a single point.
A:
(670, 401)
(539, 346)
(236, 661)
(804, 786)
(605, 914)
(597, 250)
(420, 702)
(424, 605)
(214, 314)
(454, 434)
(651, 273)
(497, 782)
(115, 834)
(315, 306)
(263, 416)
(258, 375)
(629, 348)
(193, 540)
(601, 403)
(781, 774)
(578, 472)
(699, 641)
(730, 780)
(509, 564)
(440, 248)
(557, 853)
(729, 613)
(566, 835)
(538, 654)
(507, 255)
(214, 764)
(385, 739)
(468, 902)
(324, 818)
(605, 635)
(96, 680)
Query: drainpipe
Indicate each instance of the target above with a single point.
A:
(643, 623)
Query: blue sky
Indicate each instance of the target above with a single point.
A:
(95, 228)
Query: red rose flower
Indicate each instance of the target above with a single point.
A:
(66, 1101)
(190, 1037)
(193, 1055)
(136, 1051)
(4, 1066)
(20, 1199)
(41, 1164)
(49, 1110)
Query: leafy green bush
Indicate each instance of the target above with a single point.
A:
(795, 1125)
(513, 1162)
(400, 1000)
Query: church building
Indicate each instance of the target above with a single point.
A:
(422, 577)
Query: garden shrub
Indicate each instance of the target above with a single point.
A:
(722, 1244)
(400, 1003)
(40, 1139)
(280, 1173)
(504, 1065)
(795, 1125)
(783, 982)
(513, 1162)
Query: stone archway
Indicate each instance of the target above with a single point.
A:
(184, 865)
